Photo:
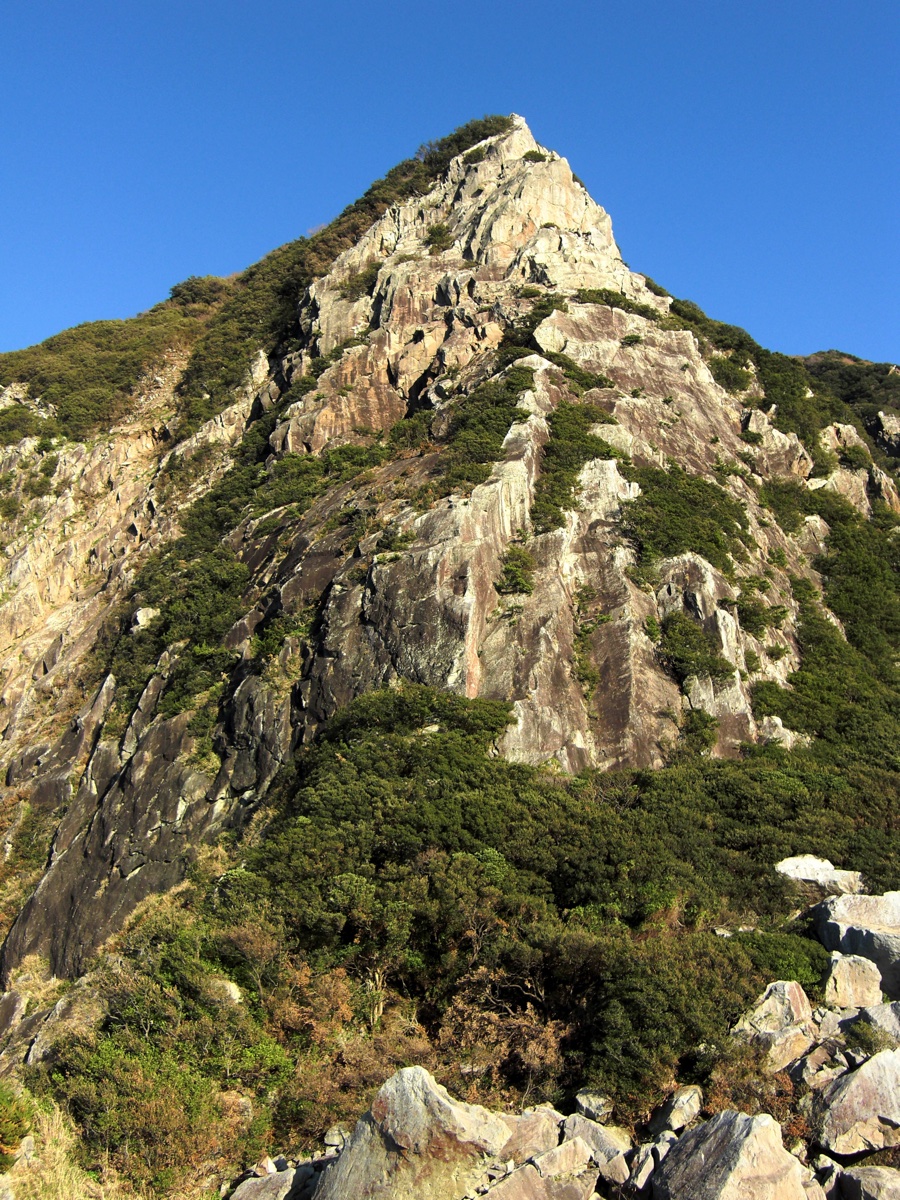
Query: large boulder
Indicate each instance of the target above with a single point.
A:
(606, 1141)
(730, 1157)
(533, 1132)
(416, 1143)
(853, 982)
(868, 926)
(781, 1022)
(682, 1107)
(861, 1110)
(871, 1183)
(528, 1184)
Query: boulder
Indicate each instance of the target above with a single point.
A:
(594, 1106)
(871, 1183)
(781, 1022)
(568, 1158)
(647, 1158)
(682, 1107)
(868, 926)
(527, 1184)
(883, 1016)
(730, 1157)
(605, 1141)
(416, 1143)
(274, 1186)
(532, 1133)
(806, 868)
(853, 982)
(861, 1110)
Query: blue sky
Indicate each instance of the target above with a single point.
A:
(749, 153)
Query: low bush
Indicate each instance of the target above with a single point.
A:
(518, 570)
(571, 445)
(688, 650)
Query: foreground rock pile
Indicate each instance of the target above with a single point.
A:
(418, 1143)
(843, 1059)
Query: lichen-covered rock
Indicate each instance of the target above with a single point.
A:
(730, 1157)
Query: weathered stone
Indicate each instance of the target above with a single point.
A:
(731, 1157)
(868, 926)
(682, 1107)
(594, 1106)
(647, 1158)
(806, 868)
(852, 982)
(605, 1141)
(416, 1143)
(781, 1022)
(532, 1133)
(274, 1186)
(870, 1183)
(615, 1170)
(527, 1184)
(861, 1110)
(568, 1158)
(883, 1016)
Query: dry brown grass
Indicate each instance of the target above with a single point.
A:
(53, 1173)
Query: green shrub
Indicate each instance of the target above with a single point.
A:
(439, 238)
(361, 283)
(687, 649)
(631, 339)
(854, 458)
(534, 156)
(727, 374)
(616, 300)
(756, 618)
(518, 571)
(678, 512)
(570, 446)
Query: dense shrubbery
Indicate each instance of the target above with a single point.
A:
(87, 373)
(678, 512)
(553, 931)
(571, 445)
(687, 649)
(617, 300)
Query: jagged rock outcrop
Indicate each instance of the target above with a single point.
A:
(588, 684)
(861, 1110)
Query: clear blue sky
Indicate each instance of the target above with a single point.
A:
(749, 152)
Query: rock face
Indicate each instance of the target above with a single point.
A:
(415, 1144)
(520, 230)
(868, 926)
(861, 1110)
(731, 1157)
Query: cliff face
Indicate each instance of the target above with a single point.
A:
(392, 573)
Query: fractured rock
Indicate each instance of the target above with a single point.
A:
(527, 1184)
(682, 1107)
(605, 1141)
(730, 1157)
(273, 1186)
(853, 982)
(781, 1022)
(594, 1106)
(861, 1110)
(533, 1133)
(416, 1143)
(868, 926)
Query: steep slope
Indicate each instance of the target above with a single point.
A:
(459, 478)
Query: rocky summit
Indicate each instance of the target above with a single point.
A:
(442, 644)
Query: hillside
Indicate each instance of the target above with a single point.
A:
(421, 648)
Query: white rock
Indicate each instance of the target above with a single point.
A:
(868, 926)
(806, 868)
(852, 982)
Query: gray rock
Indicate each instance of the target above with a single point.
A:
(416, 1143)
(267, 1187)
(861, 1110)
(532, 1133)
(647, 1158)
(883, 1016)
(682, 1107)
(870, 1183)
(594, 1106)
(731, 1157)
(806, 868)
(781, 1022)
(868, 926)
(605, 1141)
(853, 982)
